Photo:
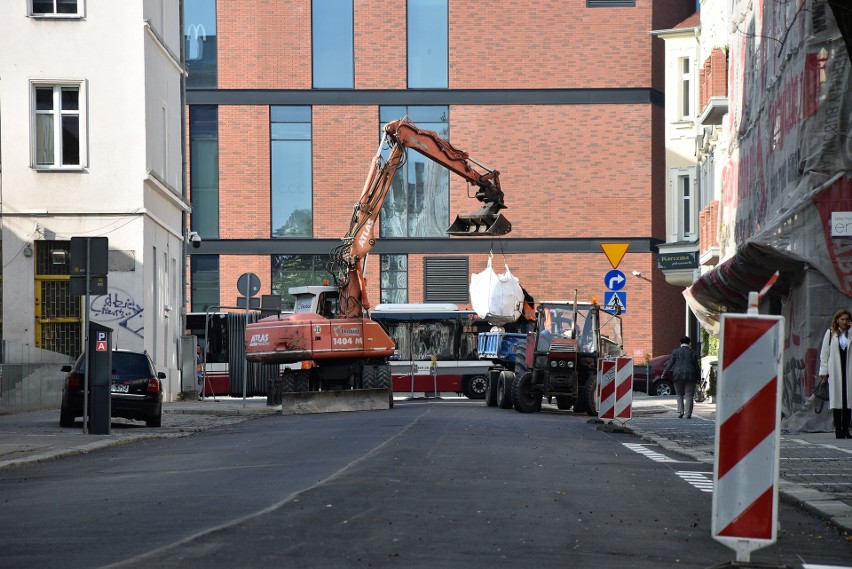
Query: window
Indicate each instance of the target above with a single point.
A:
(684, 110)
(200, 46)
(298, 270)
(428, 44)
(394, 279)
(57, 8)
(292, 177)
(418, 200)
(686, 206)
(333, 62)
(204, 270)
(204, 169)
(57, 126)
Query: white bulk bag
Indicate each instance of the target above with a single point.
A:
(496, 298)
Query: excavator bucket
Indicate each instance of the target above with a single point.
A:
(480, 223)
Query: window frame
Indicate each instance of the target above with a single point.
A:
(685, 206)
(318, 63)
(80, 12)
(57, 114)
(685, 88)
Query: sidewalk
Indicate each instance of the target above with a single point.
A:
(815, 469)
(35, 436)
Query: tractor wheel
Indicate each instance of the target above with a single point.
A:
(491, 390)
(384, 377)
(368, 377)
(520, 351)
(474, 386)
(504, 389)
(288, 382)
(587, 399)
(524, 397)
(301, 381)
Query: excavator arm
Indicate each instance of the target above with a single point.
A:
(350, 257)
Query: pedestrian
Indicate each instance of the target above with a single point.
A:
(685, 372)
(835, 364)
(199, 372)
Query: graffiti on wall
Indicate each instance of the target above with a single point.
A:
(119, 306)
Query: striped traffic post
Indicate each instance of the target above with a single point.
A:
(615, 389)
(606, 389)
(748, 417)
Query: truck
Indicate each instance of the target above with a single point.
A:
(556, 360)
(330, 326)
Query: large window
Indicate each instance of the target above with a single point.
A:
(56, 8)
(204, 270)
(333, 62)
(428, 44)
(418, 200)
(686, 205)
(292, 174)
(685, 88)
(57, 124)
(204, 169)
(298, 270)
(199, 37)
(394, 279)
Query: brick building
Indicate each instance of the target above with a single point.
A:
(566, 99)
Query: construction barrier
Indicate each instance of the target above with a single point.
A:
(308, 402)
(615, 389)
(748, 417)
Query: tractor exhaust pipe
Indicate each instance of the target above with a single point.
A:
(486, 221)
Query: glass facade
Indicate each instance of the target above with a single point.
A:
(199, 37)
(204, 169)
(418, 200)
(292, 173)
(205, 282)
(333, 47)
(298, 270)
(428, 44)
(394, 279)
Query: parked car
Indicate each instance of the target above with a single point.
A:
(136, 389)
(658, 385)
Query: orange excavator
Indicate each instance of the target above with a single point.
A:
(330, 329)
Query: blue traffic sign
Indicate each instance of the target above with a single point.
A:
(614, 280)
(615, 302)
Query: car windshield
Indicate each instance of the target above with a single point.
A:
(124, 364)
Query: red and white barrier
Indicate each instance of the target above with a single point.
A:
(615, 389)
(748, 417)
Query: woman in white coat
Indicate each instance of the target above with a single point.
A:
(835, 362)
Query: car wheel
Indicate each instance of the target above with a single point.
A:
(155, 421)
(664, 388)
(65, 419)
(474, 387)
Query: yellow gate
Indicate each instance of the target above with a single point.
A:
(58, 314)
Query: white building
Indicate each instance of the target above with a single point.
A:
(91, 146)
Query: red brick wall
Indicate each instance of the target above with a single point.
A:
(380, 45)
(264, 44)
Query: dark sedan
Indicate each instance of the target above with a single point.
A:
(658, 385)
(136, 389)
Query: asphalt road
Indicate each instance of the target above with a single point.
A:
(440, 484)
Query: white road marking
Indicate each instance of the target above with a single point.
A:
(699, 480)
(652, 454)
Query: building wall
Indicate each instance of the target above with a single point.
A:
(130, 186)
(578, 171)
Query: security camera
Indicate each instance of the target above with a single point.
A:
(195, 239)
(637, 274)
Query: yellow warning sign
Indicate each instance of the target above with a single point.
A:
(615, 252)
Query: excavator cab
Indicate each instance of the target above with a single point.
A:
(485, 221)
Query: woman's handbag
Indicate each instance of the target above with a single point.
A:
(821, 393)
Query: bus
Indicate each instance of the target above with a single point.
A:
(221, 336)
(422, 332)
